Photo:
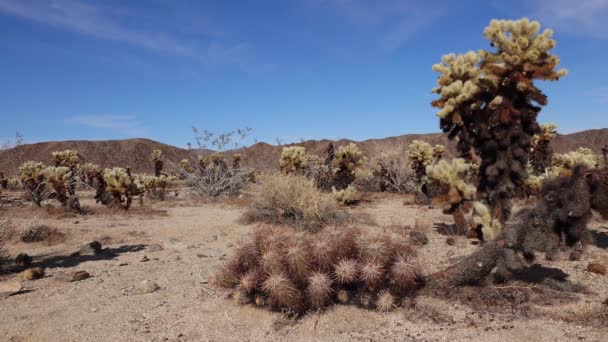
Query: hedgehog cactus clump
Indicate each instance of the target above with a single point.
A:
(489, 101)
(33, 180)
(540, 155)
(348, 159)
(294, 272)
(122, 186)
(293, 160)
(157, 157)
(452, 175)
(67, 158)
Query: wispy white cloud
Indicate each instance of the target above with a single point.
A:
(583, 18)
(393, 22)
(108, 24)
(126, 124)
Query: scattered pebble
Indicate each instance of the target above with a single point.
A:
(69, 277)
(450, 241)
(146, 286)
(154, 247)
(23, 260)
(91, 248)
(596, 268)
(144, 259)
(31, 274)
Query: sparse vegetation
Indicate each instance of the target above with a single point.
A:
(122, 186)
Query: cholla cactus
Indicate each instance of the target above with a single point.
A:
(347, 161)
(420, 155)
(236, 161)
(90, 172)
(489, 101)
(63, 180)
(293, 160)
(33, 180)
(564, 164)
(186, 165)
(3, 181)
(122, 186)
(155, 186)
(540, 156)
(490, 227)
(157, 157)
(283, 270)
(346, 196)
(438, 152)
(533, 183)
(452, 175)
(67, 158)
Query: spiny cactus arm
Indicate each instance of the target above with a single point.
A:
(67, 158)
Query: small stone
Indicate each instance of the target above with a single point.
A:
(146, 286)
(178, 258)
(418, 238)
(91, 248)
(144, 259)
(202, 256)
(450, 241)
(69, 277)
(596, 268)
(212, 238)
(229, 245)
(93, 309)
(154, 248)
(9, 288)
(344, 296)
(76, 222)
(31, 274)
(123, 264)
(23, 260)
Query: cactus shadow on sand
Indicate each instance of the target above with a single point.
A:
(72, 260)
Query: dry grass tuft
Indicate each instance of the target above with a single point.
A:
(293, 200)
(42, 233)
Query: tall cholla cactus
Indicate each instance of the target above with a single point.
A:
(564, 164)
(540, 156)
(90, 172)
(489, 101)
(67, 158)
(293, 160)
(347, 161)
(122, 186)
(32, 179)
(3, 181)
(155, 186)
(157, 157)
(453, 175)
(58, 177)
(420, 154)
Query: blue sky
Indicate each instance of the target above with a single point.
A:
(289, 69)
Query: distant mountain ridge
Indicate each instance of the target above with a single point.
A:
(261, 156)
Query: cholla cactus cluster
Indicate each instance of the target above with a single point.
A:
(564, 164)
(90, 172)
(348, 159)
(281, 270)
(540, 156)
(294, 159)
(490, 227)
(157, 157)
(122, 186)
(67, 158)
(58, 177)
(32, 179)
(186, 165)
(346, 196)
(154, 186)
(453, 175)
(489, 101)
(420, 154)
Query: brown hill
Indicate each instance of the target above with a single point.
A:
(261, 156)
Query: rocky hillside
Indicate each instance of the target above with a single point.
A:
(261, 156)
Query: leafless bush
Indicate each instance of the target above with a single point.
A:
(42, 233)
(215, 174)
(390, 169)
(293, 200)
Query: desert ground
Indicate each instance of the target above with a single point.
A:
(178, 244)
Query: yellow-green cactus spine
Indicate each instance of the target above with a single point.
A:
(348, 159)
(293, 160)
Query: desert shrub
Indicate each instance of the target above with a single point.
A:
(121, 186)
(453, 175)
(348, 159)
(218, 174)
(280, 269)
(292, 200)
(541, 153)
(66, 158)
(4, 232)
(33, 181)
(293, 160)
(564, 164)
(489, 101)
(346, 196)
(41, 233)
(157, 157)
(391, 170)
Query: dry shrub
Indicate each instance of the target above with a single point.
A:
(4, 232)
(291, 271)
(42, 233)
(293, 200)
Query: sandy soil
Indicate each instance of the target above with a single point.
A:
(195, 237)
